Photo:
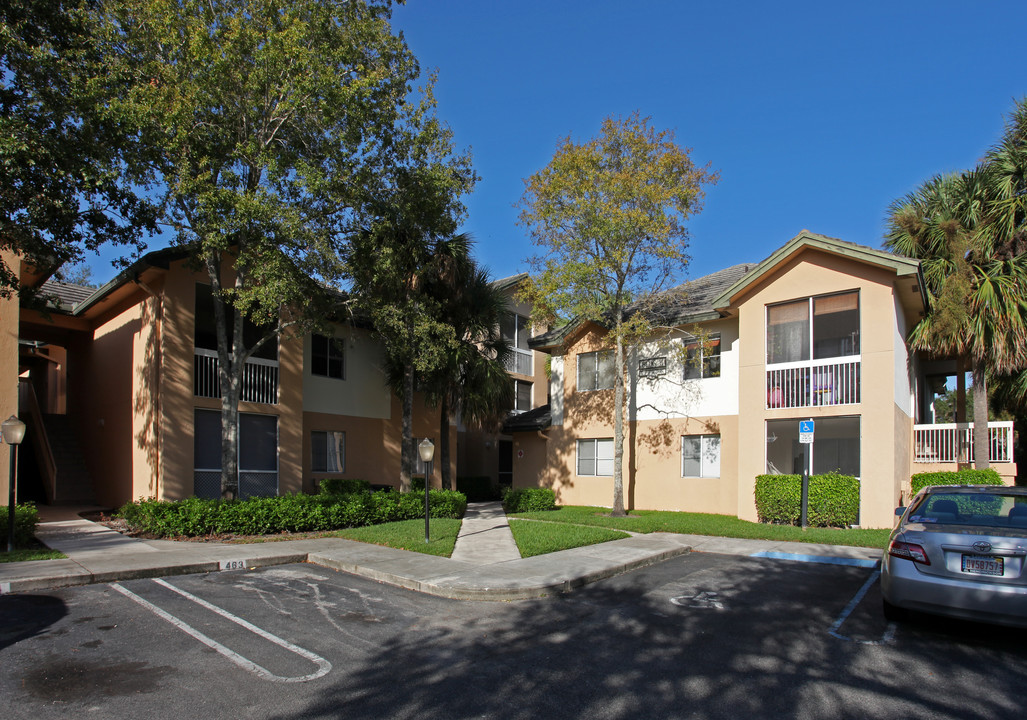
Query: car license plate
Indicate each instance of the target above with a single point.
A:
(983, 565)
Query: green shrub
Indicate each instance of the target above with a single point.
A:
(968, 476)
(25, 519)
(288, 513)
(529, 500)
(833, 500)
(344, 486)
(477, 488)
(417, 483)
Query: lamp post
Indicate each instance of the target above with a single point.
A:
(426, 449)
(13, 431)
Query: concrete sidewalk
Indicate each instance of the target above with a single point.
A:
(485, 563)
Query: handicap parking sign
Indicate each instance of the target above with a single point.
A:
(806, 432)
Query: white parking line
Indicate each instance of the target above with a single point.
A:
(889, 632)
(323, 665)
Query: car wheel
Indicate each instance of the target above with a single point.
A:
(893, 613)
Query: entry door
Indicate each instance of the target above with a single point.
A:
(505, 463)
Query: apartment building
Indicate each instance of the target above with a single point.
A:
(816, 331)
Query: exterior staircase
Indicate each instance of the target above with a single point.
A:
(74, 486)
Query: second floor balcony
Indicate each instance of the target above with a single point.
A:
(815, 383)
(259, 381)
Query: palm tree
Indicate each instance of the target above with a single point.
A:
(472, 377)
(952, 223)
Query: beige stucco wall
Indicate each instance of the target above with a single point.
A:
(885, 436)
(652, 451)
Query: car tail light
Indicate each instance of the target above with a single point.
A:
(908, 551)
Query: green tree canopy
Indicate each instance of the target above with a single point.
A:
(68, 163)
(272, 129)
(608, 216)
(968, 231)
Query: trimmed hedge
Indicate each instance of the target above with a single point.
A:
(529, 500)
(477, 488)
(195, 517)
(968, 476)
(344, 486)
(833, 500)
(25, 519)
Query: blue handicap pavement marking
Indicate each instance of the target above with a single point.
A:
(827, 560)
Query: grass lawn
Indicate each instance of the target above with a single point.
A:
(408, 535)
(539, 538)
(646, 521)
(26, 554)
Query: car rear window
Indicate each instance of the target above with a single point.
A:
(995, 509)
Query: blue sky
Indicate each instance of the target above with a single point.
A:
(817, 115)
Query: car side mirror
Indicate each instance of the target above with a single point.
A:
(899, 511)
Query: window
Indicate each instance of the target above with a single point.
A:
(516, 331)
(327, 451)
(595, 457)
(702, 359)
(522, 396)
(834, 331)
(326, 357)
(700, 456)
(257, 454)
(835, 446)
(205, 334)
(595, 370)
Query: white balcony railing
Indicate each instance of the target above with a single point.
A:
(259, 379)
(953, 443)
(520, 362)
(814, 383)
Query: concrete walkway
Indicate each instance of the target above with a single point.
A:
(485, 564)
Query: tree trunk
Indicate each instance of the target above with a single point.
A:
(407, 444)
(229, 378)
(443, 463)
(980, 435)
(618, 423)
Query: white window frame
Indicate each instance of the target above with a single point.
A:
(707, 468)
(605, 444)
(333, 438)
(713, 340)
(597, 354)
(531, 395)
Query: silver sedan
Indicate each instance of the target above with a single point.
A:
(960, 551)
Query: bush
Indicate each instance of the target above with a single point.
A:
(25, 519)
(477, 488)
(969, 476)
(344, 486)
(833, 500)
(529, 500)
(194, 517)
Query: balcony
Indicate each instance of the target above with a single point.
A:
(816, 383)
(953, 443)
(520, 362)
(259, 380)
